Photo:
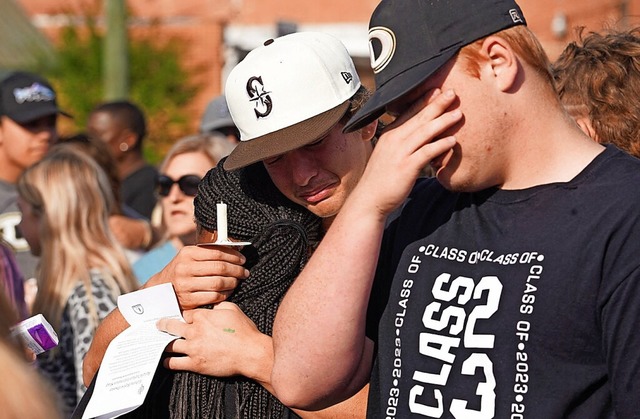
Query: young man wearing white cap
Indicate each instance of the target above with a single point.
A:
(290, 100)
(290, 105)
(28, 115)
(514, 285)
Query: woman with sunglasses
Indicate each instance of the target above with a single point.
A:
(177, 184)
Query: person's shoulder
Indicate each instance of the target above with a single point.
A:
(6, 186)
(160, 252)
(149, 169)
(427, 188)
(8, 197)
(153, 261)
(130, 212)
(613, 153)
(616, 167)
(424, 190)
(144, 172)
(423, 183)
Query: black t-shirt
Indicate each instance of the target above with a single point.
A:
(138, 190)
(513, 304)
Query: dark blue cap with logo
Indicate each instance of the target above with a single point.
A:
(410, 40)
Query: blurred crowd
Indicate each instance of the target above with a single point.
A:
(85, 218)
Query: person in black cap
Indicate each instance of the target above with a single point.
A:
(28, 116)
(513, 276)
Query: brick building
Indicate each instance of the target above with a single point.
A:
(217, 33)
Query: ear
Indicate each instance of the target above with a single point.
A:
(503, 65)
(129, 138)
(369, 130)
(585, 125)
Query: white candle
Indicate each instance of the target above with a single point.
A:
(221, 217)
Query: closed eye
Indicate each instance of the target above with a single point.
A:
(317, 142)
(273, 160)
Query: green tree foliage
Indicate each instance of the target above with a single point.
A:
(159, 83)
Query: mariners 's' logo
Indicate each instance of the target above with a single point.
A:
(257, 94)
(387, 46)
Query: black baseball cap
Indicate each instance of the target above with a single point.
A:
(25, 97)
(410, 40)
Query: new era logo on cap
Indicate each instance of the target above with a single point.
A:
(348, 77)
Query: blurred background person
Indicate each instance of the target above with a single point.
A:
(216, 118)
(130, 228)
(180, 173)
(8, 318)
(598, 80)
(122, 125)
(12, 282)
(24, 393)
(28, 126)
(65, 201)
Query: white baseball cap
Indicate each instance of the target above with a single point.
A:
(288, 93)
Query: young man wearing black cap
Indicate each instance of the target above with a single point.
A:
(28, 115)
(514, 286)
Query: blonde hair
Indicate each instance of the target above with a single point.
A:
(73, 197)
(214, 146)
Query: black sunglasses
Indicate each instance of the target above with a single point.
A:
(188, 184)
